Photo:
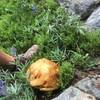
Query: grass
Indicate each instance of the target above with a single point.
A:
(61, 37)
(17, 85)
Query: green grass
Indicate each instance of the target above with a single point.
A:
(17, 86)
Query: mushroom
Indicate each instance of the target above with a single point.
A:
(44, 75)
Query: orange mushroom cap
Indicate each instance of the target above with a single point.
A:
(44, 75)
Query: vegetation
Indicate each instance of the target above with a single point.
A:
(67, 73)
(60, 36)
(92, 43)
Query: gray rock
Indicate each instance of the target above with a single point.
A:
(82, 8)
(93, 21)
(28, 54)
(73, 93)
(90, 85)
(13, 51)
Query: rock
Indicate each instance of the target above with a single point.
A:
(90, 85)
(43, 75)
(28, 54)
(3, 90)
(13, 51)
(93, 22)
(82, 8)
(73, 93)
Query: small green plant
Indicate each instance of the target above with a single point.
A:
(79, 60)
(92, 43)
(66, 74)
(58, 55)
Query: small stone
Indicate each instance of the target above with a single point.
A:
(90, 85)
(28, 54)
(13, 51)
(73, 93)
